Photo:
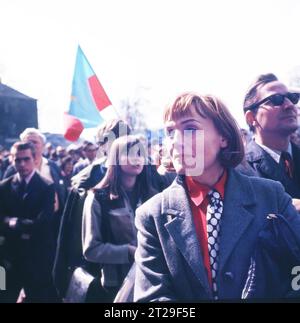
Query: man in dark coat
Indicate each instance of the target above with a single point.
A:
(26, 212)
(271, 113)
(46, 168)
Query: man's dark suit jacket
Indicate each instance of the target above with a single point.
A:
(57, 179)
(266, 167)
(60, 190)
(30, 245)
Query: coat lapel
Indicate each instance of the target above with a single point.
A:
(266, 164)
(182, 229)
(296, 158)
(268, 167)
(15, 183)
(239, 194)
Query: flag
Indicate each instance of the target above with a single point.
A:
(90, 105)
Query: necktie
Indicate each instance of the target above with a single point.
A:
(22, 189)
(213, 216)
(287, 162)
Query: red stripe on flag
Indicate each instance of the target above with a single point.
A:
(101, 99)
(73, 127)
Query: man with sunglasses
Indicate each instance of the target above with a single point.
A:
(271, 113)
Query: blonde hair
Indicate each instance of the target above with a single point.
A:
(32, 131)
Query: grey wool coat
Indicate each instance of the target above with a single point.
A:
(168, 258)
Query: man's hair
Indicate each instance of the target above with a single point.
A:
(86, 145)
(210, 107)
(32, 131)
(22, 145)
(251, 95)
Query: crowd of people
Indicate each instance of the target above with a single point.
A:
(213, 214)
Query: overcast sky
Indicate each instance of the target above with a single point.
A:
(150, 48)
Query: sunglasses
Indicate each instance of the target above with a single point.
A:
(276, 100)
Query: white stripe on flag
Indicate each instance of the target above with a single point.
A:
(109, 113)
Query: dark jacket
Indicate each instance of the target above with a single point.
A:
(30, 245)
(275, 258)
(69, 253)
(55, 174)
(266, 167)
(60, 189)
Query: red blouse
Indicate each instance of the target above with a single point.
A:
(199, 202)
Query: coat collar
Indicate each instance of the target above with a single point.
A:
(265, 163)
(239, 194)
(181, 228)
(254, 152)
(15, 182)
(30, 186)
(268, 167)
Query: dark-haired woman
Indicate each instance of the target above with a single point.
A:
(108, 232)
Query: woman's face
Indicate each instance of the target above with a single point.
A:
(133, 162)
(193, 143)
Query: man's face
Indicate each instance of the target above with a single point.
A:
(37, 142)
(280, 119)
(91, 152)
(24, 162)
(60, 151)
